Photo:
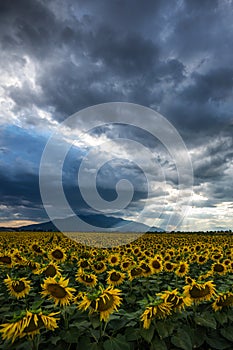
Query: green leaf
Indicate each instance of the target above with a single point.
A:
(131, 334)
(217, 342)
(199, 337)
(164, 328)
(182, 340)
(118, 343)
(70, 335)
(158, 344)
(226, 332)
(54, 340)
(221, 317)
(206, 320)
(147, 334)
(95, 321)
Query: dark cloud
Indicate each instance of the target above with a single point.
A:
(59, 57)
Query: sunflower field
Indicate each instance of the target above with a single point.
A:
(161, 291)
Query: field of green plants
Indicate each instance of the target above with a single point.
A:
(159, 292)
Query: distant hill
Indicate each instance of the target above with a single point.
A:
(98, 220)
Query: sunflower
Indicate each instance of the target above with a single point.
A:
(161, 309)
(156, 265)
(6, 260)
(29, 324)
(114, 259)
(87, 279)
(182, 269)
(198, 292)
(57, 290)
(169, 266)
(126, 264)
(57, 254)
(223, 300)
(83, 263)
(219, 268)
(18, 288)
(202, 259)
(36, 249)
(33, 266)
(99, 267)
(115, 278)
(177, 301)
(134, 273)
(146, 269)
(51, 270)
(104, 302)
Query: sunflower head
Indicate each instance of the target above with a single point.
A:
(18, 288)
(198, 292)
(115, 278)
(57, 290)
(28, 324)
(104, 302)
(223, 300)
(57, 254)
(88, 279)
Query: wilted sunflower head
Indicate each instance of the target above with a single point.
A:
(223, 300)
(160, 309)
(28, 324)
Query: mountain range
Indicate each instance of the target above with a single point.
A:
(96, 220)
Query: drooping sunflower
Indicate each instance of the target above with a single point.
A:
(57, 290)
(223, 300)
(177, 301)
(18, 288)
(104, 302)
(161, 309)
(115, 278)
(57, 254)
(182, 269)
(88, 279)
(198, 292)
(28, 324)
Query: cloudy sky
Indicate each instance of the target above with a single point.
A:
(58, 57)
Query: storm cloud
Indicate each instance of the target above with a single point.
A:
(58, 57)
